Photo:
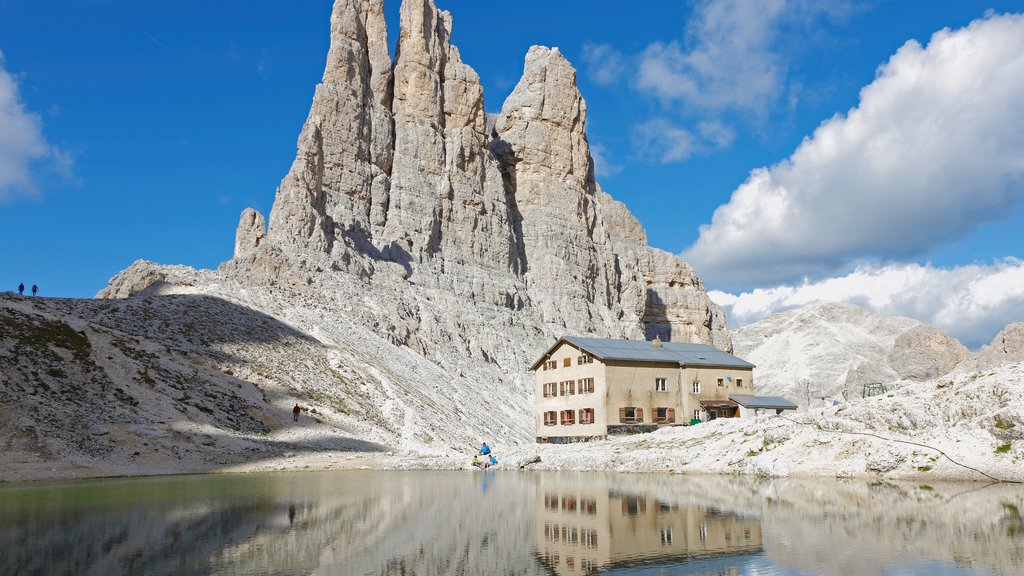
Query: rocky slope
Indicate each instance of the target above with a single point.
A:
(418, 257)
(832, 350)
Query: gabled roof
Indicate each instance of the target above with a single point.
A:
(645, 351)
(751, 401)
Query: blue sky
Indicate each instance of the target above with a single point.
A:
(141, 130)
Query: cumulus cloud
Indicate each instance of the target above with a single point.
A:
(604, 64)
(932, 151)
(731, 58)
(21, 139)
(661, 140)
(971, 303)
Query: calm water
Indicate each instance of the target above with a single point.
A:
(508, 523)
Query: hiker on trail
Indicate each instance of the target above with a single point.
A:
(35, 289)
(485, 449)
(21, 289)
(295, 413)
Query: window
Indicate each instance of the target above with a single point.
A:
(551, 502)
(569, 503)
(567, 387)
(550, 389)
(739, 382)
(588, 506)
(551, 365)
(585, 359)
(666, 536)
(696, 414)
(586, 385)
(568, 417)
(721, 382)
(631, 415)
(661, 384)
(586, 415)
(633, 505)
(589, 538)
(696, 386)
(567, 362)
(665, 415)
(549, 418)
(570, 535)
(703, 531)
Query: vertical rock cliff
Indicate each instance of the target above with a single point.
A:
(431, 251)
(396, 171)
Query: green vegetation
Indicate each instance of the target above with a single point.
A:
(924, 468)
(1012, 508)
(1000, 424)
(925, 487)
(1003, 448)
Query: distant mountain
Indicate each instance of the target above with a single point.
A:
(832, 350)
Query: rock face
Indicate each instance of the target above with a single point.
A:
(1007, 346)
(468, 241)
(831, 350)
(396, 170)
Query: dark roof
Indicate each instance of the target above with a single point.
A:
(751, 401)
(718, 403)
(645, 351)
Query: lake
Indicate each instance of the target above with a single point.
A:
(504, 522)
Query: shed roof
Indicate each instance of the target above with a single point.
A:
(751, 401)
(645, 351)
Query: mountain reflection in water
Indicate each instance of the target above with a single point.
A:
(500, 522)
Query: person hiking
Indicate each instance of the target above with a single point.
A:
(477, 463)
(21, 289)
(35, 289)
(295, 413)
(485, 449)
(492, 461)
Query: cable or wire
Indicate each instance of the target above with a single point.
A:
(912, 444)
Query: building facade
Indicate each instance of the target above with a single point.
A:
(591, 387)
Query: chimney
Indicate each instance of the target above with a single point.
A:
(656, 343)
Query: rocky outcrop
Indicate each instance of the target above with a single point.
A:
(831, 350)
(926, 352)
(1007, 346)
(412, 219)
(252, 229)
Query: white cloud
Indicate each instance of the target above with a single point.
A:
(971, 303)
(21, 139)
(731, 58)
(661, 140)
(605, 65)
(603, 166)
(933, 151)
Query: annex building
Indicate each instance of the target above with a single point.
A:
(591, 387)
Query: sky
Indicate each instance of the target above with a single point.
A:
(792, 151)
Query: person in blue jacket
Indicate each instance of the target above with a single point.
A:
(492, 461)
(485, 449)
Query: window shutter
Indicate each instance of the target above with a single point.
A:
(643, 501)
(567, 362)
(639, 414)
(671, 415)
(622, 415)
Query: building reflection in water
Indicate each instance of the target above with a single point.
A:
(581, 529)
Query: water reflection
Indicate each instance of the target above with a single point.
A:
(499, 522)
(585, 524)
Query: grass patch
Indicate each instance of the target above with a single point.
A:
(1003, 448)
(925, 487)
(924, 468)
(1004, 425)
(1012, 508)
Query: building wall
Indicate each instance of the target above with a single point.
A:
(619, 384)
(576, 401)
